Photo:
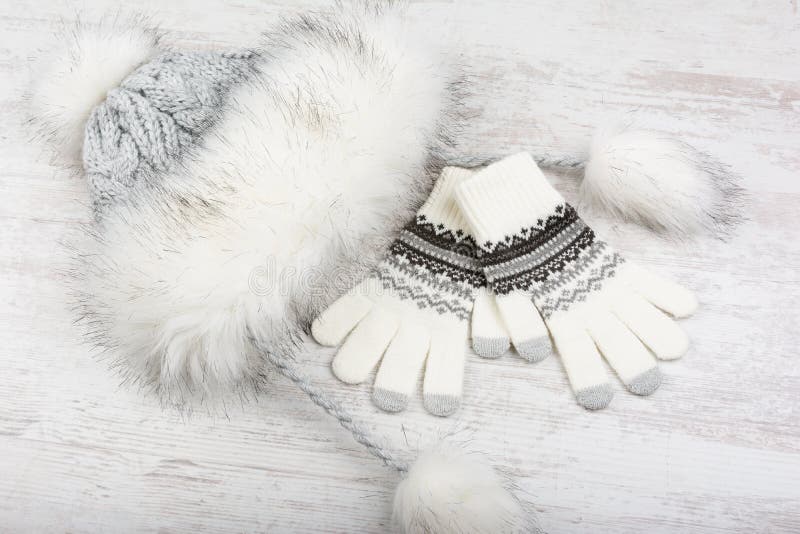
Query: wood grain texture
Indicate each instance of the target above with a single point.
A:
(716, 449)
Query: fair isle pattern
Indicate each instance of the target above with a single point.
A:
(433, 267)
(560, 261)
(564, 293)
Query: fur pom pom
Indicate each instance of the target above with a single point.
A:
(660, 182)
(449, 491)
(87, 63)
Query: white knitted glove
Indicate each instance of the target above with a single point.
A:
(533, 246)
(416, 303)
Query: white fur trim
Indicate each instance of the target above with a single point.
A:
(297, 189)
(75, 76)
(449, 491)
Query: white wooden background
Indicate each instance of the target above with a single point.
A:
(716, 449)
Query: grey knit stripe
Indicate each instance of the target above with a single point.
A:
(422, 295)
(562, 300)
(536, 257)
(575, 270)
(441, 284)
(448, 256)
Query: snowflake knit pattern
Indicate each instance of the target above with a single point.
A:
(413, 311)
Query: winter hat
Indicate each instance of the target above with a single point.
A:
(203, 167)
(237, 194)
(175, 144)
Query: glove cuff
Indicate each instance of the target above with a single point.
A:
(441, 207)
(505, 198)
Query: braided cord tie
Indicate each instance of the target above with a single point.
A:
(561, 162)
(550, 161)
(334, 408)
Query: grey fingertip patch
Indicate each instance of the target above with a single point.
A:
(595, 397)
(441, 405)
(535, 350)
(645, 383)
(490, 347)
(389, 401)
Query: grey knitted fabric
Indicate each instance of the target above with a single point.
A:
(159, 111)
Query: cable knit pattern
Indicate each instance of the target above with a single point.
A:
(147, 123)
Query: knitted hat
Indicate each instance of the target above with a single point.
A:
(146, 123)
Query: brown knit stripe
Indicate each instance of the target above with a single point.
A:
(442, 237)
(534, 255)
(528, 240)
(439, 251)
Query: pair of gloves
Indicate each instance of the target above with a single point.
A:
(500, 248)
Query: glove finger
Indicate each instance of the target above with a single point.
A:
(400, 367)
(489, 334)
(525, 326)
(661, 334)
(332, 325)
(365, 346)
(444, 372)
(667, 295)
(583, 364)
(633, 363)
